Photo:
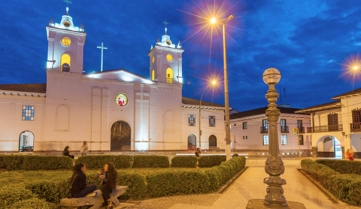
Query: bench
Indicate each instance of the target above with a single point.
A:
(96, 201)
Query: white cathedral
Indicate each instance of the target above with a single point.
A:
(112, 110)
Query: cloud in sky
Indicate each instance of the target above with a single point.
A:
(308, 41)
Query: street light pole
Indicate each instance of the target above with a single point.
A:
(226, 95)
(200, 119)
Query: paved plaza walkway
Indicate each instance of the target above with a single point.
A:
(248, 186)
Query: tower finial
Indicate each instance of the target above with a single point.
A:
(67, 5)
(165, 26)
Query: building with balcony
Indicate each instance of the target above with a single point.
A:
(249, 132)
(335, 126)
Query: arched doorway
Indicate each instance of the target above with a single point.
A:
(329, 146)
(192, 142)
(212, 140)
(26, 141)
(120, 137)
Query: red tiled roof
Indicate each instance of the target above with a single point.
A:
(325, 106)
(36, 88)
(189, 101)
(353, 92)
(260, 111)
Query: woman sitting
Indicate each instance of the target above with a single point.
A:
(79, 187)
(109, 182)
(66, 152)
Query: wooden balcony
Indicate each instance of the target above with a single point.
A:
(264, 129)
(355, 127)
(301, 130)
(328, 128)
(284, 129)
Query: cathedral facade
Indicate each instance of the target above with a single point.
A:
(112, 110)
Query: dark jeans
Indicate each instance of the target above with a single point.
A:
(84, 192)
(105, 193)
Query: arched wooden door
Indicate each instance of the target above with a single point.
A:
(120, 137)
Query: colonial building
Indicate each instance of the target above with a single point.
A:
(112, 110)
(249, 133)
(336, 126)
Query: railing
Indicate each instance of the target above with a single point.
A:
(316, 129)
(301, 130)
(264, 129)
(355, 127)
(284, 129)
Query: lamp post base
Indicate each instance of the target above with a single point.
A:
(259, 204)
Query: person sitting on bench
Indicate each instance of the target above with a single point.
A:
(79, 187)
(66, 152)
(109, 178)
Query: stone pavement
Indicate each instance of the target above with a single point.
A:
(248, 186)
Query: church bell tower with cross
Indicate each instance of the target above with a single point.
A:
(65, 45)
(166, 60)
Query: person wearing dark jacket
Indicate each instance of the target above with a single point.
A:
(66, 152)
(79, 187)
(109, 181)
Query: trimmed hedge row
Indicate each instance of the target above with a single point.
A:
(184, 161)
(34, 162)
(346, 187)
(98, 161)
(343, 166)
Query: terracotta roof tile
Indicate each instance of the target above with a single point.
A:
(36, 88)
(353, 92)
(260, 111)
(189, 101)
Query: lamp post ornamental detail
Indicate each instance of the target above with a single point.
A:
(274, 164)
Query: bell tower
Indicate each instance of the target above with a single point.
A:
(166, 61)
(65, 45)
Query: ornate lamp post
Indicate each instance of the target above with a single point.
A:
(274, 164)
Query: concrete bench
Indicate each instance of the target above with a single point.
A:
(96, 201)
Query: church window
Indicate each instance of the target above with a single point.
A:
(169, 57)
(191, 120)
(153, 59)
(212, 121)
(169, 74)
(153, 75)
(66, 41)
(65, 63)
(28, 112)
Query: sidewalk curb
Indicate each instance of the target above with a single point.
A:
(230, 181)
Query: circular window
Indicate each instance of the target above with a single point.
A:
(121, 99)
(168, 42)
(66, 41)
(66, 23)
(153, 59)
(169, 57)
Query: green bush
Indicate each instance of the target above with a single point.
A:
(33, 203)
(164, 183)
(12, 162)
(9, 194)
(136, 183)
(184, 161)
(346, 187)
(98, 161)
(150, 161)
(210, 161)
(35, 162)
(342, 166)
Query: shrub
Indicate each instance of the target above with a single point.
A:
(11, 162)
(150, 161)
(137, 188)
(33, 203)
(10, 194)
(98, 161)
(184, 161)
(34, 162)
(210, 161)
(343, 166)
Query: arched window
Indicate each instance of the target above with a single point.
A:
(169, 75)
(153, 75)
(65, 63)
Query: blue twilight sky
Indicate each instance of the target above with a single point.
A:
(308, 41)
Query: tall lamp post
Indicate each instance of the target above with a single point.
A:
(274, 164)
(226, 97)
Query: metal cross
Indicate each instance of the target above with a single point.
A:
(101, 58)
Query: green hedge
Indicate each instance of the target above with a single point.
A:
(35, 162)
(98, 161)
(184, 161)
(150, 161)
(343, 166)
(137, 188)
(210, 161)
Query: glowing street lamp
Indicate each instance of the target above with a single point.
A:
(226, 97)
(213, 83)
